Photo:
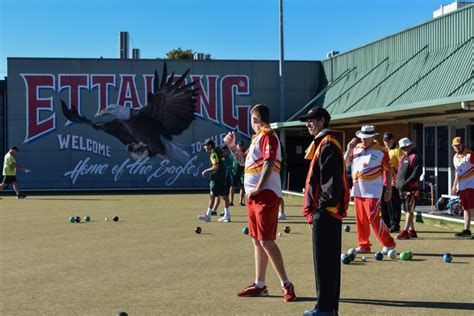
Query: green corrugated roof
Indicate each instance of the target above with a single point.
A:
(432, 62)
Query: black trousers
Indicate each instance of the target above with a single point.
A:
(391, 210)
(327, 260)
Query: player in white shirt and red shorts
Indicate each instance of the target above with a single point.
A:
(263, 192)
(464, 182)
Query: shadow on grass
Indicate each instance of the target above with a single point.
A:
(69, 199)
(357, 263)
(442, 238)
(416, 304)
(440, 255)
(291, 222)
(435, 232)
(298, 299)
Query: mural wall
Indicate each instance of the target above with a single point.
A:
(119, 128)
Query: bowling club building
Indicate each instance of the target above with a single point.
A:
(417, 83)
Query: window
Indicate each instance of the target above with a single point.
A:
(429, 147)
(443, 146)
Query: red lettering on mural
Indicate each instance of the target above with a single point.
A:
(206, 100)
(217, 107)
(103, 82)
(128, 95)
(235, 116)
(35, 104)
(74, 83)
(148, 84)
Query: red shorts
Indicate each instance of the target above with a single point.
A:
(263, 215)
(467, 199)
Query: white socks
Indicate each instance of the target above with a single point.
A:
(226, 212)
(261, 284)
(283, 282)
(209, 211)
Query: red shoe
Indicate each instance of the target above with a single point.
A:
(403, 235)
(289, 294)
(253, 290)
(412, 234)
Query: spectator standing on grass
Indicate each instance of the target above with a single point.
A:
(237, 175)
(408, 183)
(392, 210)
(228, 178)
(464, 182)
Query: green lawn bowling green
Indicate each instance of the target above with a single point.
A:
(151, 262)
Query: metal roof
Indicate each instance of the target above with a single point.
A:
(427, 65)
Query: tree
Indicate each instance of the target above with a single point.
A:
(183, 54)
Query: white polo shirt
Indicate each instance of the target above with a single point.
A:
(265, 145)
(464, 165)
(368, 166)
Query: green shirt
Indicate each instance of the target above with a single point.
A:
(237, 169)
(9, 168)
(216, 157)
(228, 161)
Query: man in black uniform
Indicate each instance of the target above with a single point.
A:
(408, 183)
(326, 199)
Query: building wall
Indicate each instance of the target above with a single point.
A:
(62, 155)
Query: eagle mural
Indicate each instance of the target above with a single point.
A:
(149, 131)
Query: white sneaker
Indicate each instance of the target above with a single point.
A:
(385, 250)
(362, 250)
(224, 220)
(205, 218)
(281, 216)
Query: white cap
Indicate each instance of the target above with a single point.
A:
(404, 142)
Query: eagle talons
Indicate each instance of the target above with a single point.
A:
(138, 150)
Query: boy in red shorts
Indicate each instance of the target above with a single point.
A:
(263, 188)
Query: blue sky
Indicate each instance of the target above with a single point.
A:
(242, 29)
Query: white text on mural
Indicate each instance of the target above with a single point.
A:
(83, 144)
(142, 167)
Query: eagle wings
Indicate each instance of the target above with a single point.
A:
(149, 130)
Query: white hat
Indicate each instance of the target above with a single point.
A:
(366, 131)
(404, 142)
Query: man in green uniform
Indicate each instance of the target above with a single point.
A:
(237, 176)
(217, 183)
(9, 172)
(228, 160)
